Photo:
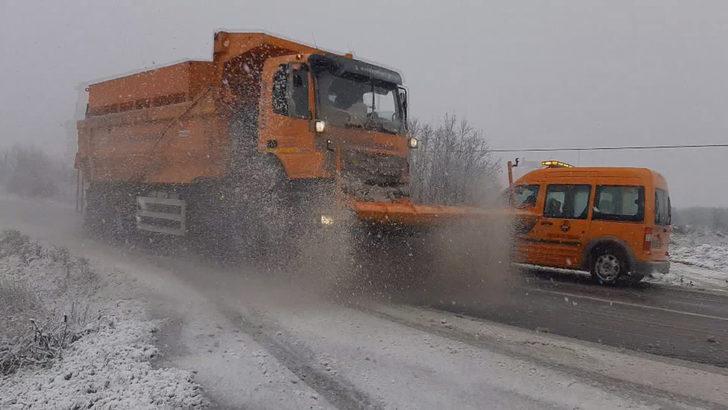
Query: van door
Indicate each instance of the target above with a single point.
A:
(557, 239)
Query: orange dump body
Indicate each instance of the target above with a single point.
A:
(171, 125)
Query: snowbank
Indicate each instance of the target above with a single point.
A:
(109, 366)
(701, 248)
(699, 259)
(109, 361)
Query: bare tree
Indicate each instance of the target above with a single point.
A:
(453, 164)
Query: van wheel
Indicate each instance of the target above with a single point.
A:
(608, 264)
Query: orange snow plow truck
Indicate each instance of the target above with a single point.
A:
(264, 142)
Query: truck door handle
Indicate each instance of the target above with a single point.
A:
(546, 223)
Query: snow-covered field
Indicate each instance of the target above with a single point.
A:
(699, 259)
(108, 361)
(702, 248)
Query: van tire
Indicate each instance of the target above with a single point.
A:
(608, 264)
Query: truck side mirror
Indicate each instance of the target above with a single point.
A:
(403, 101)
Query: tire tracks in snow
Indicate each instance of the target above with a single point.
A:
(519, 351)
(301, 361)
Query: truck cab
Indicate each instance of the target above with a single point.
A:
(327, 116)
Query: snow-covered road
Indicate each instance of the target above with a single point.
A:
(257, 341)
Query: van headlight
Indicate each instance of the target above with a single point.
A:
(327, 220)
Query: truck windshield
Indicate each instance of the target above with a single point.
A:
(351, 100)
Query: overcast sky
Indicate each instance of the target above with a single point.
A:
(530, 73)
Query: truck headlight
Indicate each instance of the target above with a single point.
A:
(320, 126)
(327, 220)
(413, 142)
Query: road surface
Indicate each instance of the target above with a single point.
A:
(663, 320)
(285, 341)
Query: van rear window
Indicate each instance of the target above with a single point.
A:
(663, 214)
(619, 203)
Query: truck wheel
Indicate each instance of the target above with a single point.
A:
(608, 265)
(92, 218)
(109, 211)
(255, 210)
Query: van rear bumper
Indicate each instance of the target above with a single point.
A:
(645, 267)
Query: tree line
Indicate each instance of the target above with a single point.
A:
(453, 164)
(28, 171)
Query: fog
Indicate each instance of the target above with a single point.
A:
(532, 74)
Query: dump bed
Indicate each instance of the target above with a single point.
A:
(154, 88)
(170, 125)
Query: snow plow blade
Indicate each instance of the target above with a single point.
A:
(406, 213)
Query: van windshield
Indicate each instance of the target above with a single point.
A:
(524, 196)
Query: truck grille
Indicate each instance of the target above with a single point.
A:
(374, 169)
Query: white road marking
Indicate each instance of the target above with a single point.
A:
(637, 305)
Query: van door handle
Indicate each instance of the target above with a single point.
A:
(546, 223)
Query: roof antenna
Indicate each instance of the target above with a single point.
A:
(314, 40)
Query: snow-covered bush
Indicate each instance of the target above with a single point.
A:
(41, 315)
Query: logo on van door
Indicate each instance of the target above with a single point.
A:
(565, 226)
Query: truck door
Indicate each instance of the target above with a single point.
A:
(285, 118)
(557, 238)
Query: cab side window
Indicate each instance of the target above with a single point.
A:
(290, 91)
(567, 201)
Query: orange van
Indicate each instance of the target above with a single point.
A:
(612, 222)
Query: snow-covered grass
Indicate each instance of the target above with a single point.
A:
(66, 344)
(702, 248)
(109, 366)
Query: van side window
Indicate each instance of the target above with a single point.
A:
(663, 211)
(567, 201)
(524, 196)
(290, 91)
(619, 203)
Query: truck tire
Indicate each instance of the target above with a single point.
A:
(92, 219)
(109, 210)
(608, 264)
(249, 213)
